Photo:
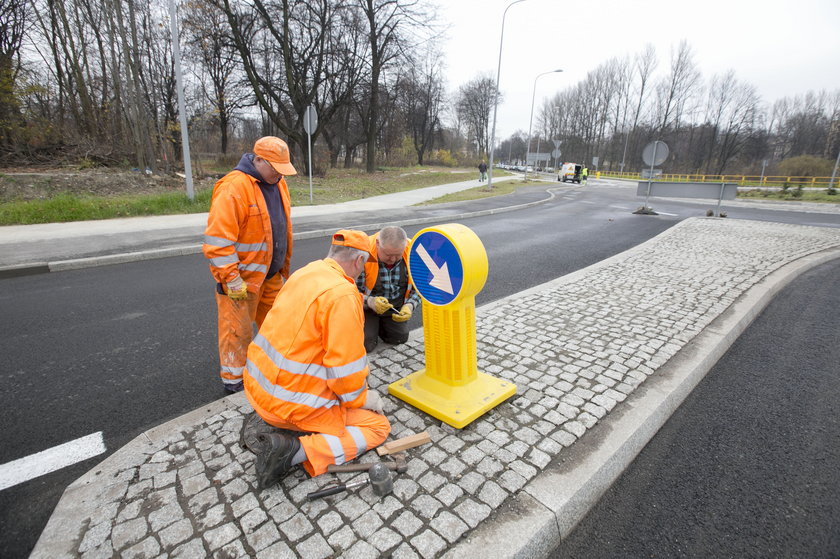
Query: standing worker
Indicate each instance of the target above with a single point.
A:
(307, 370)
(389, 296)
(584, 174)
(248, 242)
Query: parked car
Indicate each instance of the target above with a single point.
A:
(570, 172)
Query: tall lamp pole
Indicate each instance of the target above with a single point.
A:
(496, 98)
(531, 120)
(182, 110)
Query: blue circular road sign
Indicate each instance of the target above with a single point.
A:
(436, 268)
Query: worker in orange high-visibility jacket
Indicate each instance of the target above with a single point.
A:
(307, 369)
(248, 242)
(389, 298)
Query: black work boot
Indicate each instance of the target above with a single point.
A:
(253, 427)
(275, 460)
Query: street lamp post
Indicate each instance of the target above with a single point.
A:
(182, 110)
(496, 99)
(531, 120)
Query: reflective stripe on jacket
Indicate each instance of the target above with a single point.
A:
(372, 268)
(238, 238)
(308, 363)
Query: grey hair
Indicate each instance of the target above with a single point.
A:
(392, 235)
(341, 253)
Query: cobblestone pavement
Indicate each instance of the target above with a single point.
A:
(575, 347)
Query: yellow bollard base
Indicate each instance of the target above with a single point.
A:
(457, 406)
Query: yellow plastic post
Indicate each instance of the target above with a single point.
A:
(448, 267)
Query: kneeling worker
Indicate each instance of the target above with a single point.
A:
(389, 297)
(307, 369)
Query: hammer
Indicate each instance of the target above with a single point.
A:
(399, 465)
(379, 477)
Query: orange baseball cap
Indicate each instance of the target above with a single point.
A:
(354, 239)
(276, 152)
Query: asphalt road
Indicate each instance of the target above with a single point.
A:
(122, 348)
(749, 465)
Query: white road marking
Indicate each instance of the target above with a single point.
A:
(666, 213)
(620, 207)
(50, 460)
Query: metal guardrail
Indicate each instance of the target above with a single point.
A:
(741, 180)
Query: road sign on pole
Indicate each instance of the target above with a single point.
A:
(310, 124)
(448, 267)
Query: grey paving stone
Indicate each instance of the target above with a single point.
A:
(511, 481)
(362, 550)
(263, 537)
(404, 552)
(343, 539)
(190, 550)
(176, 533)
(129, 533)
(233, 550)
(147, 548)
(428, 544)
(385, 539)
(330, 522)
(472, 512)
(407, 523)
(296, 527)
(314, 547)
(219, 537)
(95, 537)
(449, 526)
(279, 550)
(491, 494)
(426, 506)
(252, 520)
(367, 524)
(448, 494)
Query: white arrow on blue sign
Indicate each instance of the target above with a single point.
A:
(436, 268)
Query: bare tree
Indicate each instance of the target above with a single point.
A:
(210, 46)
(13, 14)
(674, 92)
(421, 100)
(389, 22)
(474, 104)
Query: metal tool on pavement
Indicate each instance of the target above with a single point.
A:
(379, 478)
(398, 465)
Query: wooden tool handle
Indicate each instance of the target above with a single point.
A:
(404, 443)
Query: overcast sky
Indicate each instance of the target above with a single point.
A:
(782, 47)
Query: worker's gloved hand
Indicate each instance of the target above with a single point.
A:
(237, 289)
(404, 314)
(373, 402)
(378, 304)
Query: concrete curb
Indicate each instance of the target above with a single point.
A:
(535, 521)
(105, 260)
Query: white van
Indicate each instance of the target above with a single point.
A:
(570, 172)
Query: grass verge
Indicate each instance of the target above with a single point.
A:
(340, 185)
(792, 195)
(478, 193)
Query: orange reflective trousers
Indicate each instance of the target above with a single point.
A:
(364, 430)
(236, 326)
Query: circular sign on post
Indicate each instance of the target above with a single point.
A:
(655, 153)
(310, 119)
(447, 263)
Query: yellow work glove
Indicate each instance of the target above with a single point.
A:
(237, 289)
(404, 314)
(379, 304)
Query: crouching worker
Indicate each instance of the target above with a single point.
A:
(306, 373)
(389, 297)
